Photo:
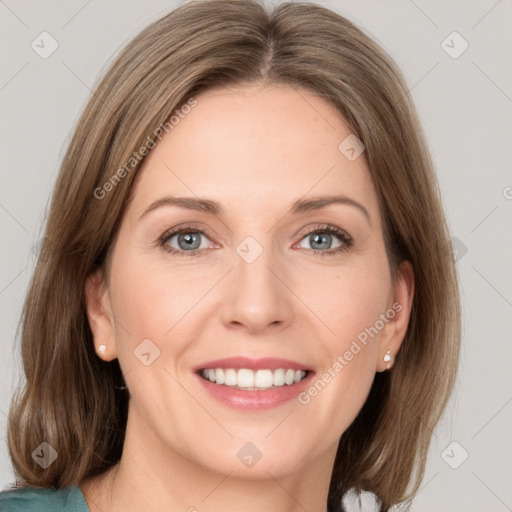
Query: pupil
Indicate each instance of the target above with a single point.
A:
(319, 239)
(191, 240)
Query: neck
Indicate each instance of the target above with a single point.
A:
(153, 477)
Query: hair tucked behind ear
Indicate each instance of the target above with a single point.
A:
(69, 398)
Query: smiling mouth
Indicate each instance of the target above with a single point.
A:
(253, 380)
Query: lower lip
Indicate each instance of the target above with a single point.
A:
(255, 400)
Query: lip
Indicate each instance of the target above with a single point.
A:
(264, 363)
(254, 400)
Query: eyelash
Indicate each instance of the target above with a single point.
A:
(347, 241)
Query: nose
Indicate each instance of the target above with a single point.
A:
(257, 299)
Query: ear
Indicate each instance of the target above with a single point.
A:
(396, 328)
(99, 314)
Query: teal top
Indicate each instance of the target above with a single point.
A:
(37, 499)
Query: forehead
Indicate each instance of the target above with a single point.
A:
(253, 145)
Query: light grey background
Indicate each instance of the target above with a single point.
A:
(465, 104)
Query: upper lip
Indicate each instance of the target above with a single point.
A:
(270, 363)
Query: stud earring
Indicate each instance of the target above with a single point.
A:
(101, 349)
(387, 359)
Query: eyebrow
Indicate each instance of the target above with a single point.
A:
(213, 207)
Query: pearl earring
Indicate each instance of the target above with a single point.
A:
(387, 359)
(101, 349)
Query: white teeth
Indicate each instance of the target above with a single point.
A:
(219, 376)
(244, 378)
(263, 379)
(279, 377)
(289, 377)
(230, 377)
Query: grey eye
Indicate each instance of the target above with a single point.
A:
(187, 241)
(321, 241)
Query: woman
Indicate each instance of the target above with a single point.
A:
(244, 298)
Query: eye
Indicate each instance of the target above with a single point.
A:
(185, 240)
(326, 240)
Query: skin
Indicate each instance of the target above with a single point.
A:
(255, 150)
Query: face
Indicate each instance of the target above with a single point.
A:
(256, 279)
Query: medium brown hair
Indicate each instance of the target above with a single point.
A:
(72, 399)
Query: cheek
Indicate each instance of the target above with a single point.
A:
(151, 302)
(351, 302)
(152, 299)
(154, 311)
(352, 310)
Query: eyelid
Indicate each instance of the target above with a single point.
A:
(187, 226)
(325, 227)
